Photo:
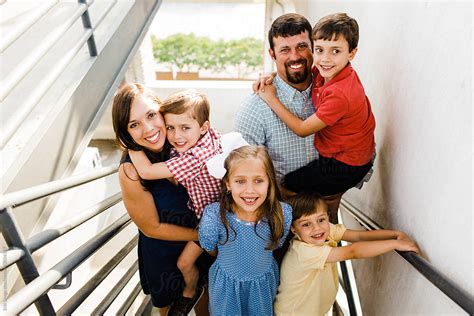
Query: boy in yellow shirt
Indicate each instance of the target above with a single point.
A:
(308, 277)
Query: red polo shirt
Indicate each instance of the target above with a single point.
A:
(343, 106)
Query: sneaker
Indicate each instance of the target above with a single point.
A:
(184, 305)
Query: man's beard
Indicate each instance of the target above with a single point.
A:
(297, 77)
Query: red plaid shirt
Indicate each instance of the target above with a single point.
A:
(189, 168)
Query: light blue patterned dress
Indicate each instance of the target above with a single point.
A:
(244, 278)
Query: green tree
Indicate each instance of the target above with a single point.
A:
(188, 52)
(246, 54)
(180, 50)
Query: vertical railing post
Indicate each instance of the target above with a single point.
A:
(348, 289)
(13, 237)
(86, 22)
(3, 307)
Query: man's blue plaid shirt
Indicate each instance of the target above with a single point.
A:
(259, 125)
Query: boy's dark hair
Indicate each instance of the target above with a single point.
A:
(306, 203)
(334, 25)
(287, 25)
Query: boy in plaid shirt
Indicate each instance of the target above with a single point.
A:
(194, 142)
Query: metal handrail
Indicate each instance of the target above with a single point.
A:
(41, 239)
(8, 38)
(145, 307)
(436, 277)
(42, 87)
(21, 197)
(347, 287)
(20, 251)
(14, 238)
(129, 300)
(86, 23)
(26, 296)
(112, 295)
(10, 256)
(23, 68)
(73, 303)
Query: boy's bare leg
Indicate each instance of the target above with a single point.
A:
(157, 311)
(333, 202)
(163, 310)
(286, 194)
(189, 270)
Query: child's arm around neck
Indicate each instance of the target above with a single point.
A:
(146, 169)
(300, 127)
(370, 244)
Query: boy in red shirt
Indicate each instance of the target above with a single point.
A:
(343, 123)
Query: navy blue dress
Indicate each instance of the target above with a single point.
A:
(159, 275)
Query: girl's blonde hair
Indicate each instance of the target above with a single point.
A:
(271, 209)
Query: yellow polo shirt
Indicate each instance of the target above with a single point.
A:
(308, 285)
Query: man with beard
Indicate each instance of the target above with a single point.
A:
(291, 48)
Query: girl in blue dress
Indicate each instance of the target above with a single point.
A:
(247, 224)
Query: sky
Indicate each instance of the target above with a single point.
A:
(215, 20)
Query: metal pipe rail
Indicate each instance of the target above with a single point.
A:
(24, 67)
(20, 251)
(8, 38)
(13, 237)
(129, 300)
(43, 238)
(43, 86)
(21, 197)
(145, 307)
(86, 23)
(26, 296)
(112, 295)
(347, 287)
(76, 300)
(436, 277)
(10, 256)
(19, 72)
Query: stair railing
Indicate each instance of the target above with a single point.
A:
(436, 277)
(20, 251)
(22, 69)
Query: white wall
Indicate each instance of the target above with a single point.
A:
(415, 61)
